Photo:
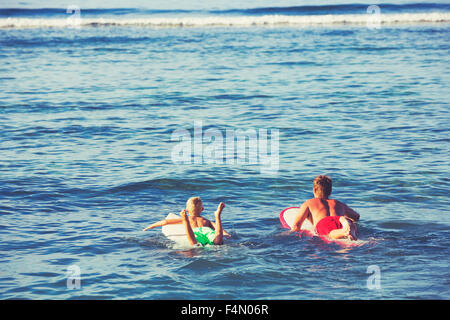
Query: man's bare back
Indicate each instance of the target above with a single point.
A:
(320, 208)
(316, 209)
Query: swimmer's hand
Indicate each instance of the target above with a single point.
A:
(183, 214)
(220, 207)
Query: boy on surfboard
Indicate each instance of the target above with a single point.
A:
(198, 229)
(330, 217)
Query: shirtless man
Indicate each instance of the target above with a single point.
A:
(330, 217)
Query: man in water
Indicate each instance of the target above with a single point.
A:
(330, 217)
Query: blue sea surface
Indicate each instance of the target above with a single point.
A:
(87, 117)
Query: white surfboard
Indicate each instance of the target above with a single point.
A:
(175, 232)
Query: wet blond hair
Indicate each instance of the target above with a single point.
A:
(193, 203)
(323, 186)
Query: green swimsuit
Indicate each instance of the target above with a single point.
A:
(204, 235)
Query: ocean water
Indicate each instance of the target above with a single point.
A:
(89, 108)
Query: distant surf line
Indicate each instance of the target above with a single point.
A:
(228, 21)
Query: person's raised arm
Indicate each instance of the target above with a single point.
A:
(188, 228)
(213, 226)
(301, 216)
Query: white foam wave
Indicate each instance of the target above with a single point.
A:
(230, 21)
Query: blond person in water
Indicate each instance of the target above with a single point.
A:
(198, 229)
